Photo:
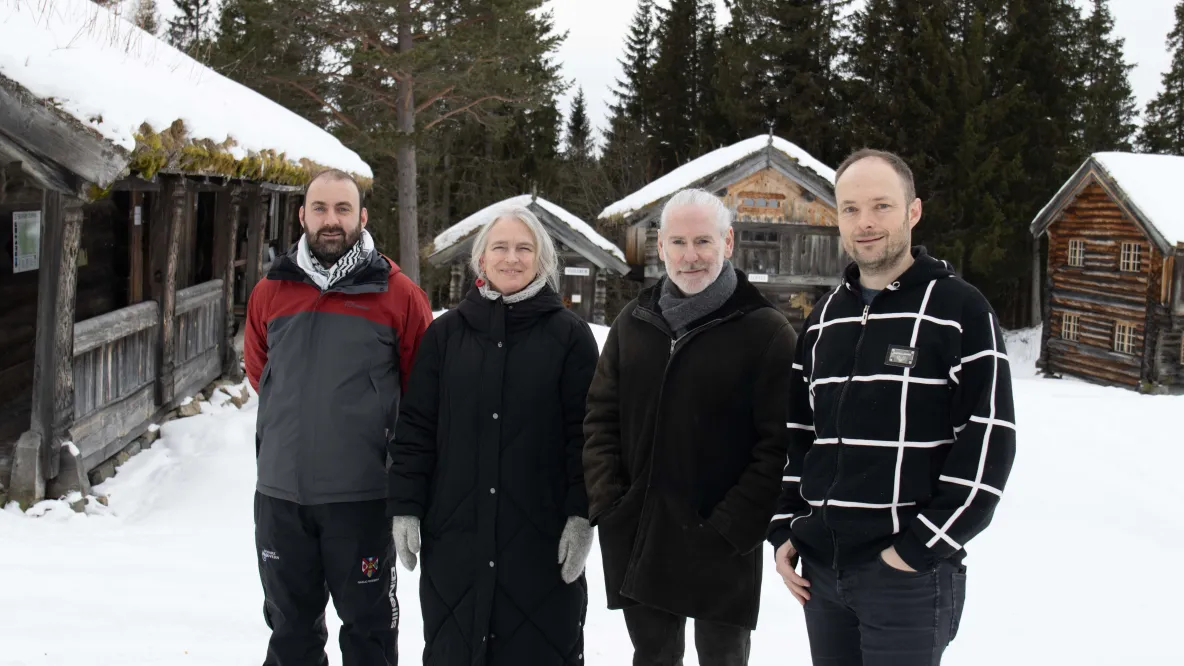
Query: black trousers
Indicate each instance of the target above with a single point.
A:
(659, 639)
(309, 553)
(874, 615)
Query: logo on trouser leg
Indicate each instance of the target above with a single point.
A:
(369, 566)
(394, 601)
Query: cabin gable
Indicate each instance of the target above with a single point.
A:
(1104, 273)
(771, 197)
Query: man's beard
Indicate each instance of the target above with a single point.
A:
(895, 247)
(329, 250)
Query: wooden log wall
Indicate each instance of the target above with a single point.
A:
(1099, 293)
(1169, 352)
(103, 260)
(114, 356)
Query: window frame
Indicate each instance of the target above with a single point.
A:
(1119, 327)
(1071, 321)
(1130, 257)
(1079, 244)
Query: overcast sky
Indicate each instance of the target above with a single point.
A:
(597, 30)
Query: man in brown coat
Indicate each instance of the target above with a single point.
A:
(686, 435)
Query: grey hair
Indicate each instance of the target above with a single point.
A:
(546, 258)
(699, 198)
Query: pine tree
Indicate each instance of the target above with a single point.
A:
(626, 157)
(710, 124)
(1163, 131)
(187, 29)
(1108, 111)
(673, 85)
(804, 103)
(580, 144)
(742, 73)
(147, 16)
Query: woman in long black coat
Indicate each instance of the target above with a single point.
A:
(486, 462)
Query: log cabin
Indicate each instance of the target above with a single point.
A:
(141, 196)
(587, 260)
(1113, 304)
(783, 204)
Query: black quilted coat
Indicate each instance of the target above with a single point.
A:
(487, 452)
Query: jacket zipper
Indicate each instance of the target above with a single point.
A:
(838, 433)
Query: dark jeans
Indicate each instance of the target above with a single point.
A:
(659, 639)
(874, 615)
(306, 554)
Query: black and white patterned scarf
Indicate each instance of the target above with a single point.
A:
(327, 277)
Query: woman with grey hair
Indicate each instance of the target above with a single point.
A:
(486, 469)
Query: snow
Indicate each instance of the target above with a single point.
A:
(72, 449)
(112, 76)
(696, 170)
(472, 223)
(1152, 184)
(1076, 568)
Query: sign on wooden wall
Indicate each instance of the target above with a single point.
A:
(581, 271)
(26, 241)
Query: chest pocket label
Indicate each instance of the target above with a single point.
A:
(901, 357)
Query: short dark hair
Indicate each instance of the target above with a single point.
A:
(895, 161)
(334, 174)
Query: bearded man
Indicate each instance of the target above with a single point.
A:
(331, 335)
(903, 436)
(685, 438)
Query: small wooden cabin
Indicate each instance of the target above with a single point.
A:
(127, 248)
(586, 258)
(783, 201)
(1114, 286)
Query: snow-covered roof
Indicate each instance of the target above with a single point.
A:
(1150, 184)
(112, 77)
(713, 162)
(466, 227)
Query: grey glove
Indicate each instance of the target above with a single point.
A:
(405, 530)
(574, 545)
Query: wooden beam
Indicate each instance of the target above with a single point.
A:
(166, 234)
(53, 376)
(60, 141)
(256, 230)
(105, 329)
(135, 225)
(289, 210)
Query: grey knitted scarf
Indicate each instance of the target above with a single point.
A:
(529, 291)
(679, 310)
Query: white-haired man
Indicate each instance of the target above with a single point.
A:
(685, 439)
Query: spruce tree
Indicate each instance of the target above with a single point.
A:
(1108, 109)
(803, 47)
(742, 73)
(580, 144)
(1163, 131)
(187, 29)
(674, 85)
(626, 157)
(147, 16)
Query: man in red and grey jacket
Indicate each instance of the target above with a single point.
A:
(331, 335)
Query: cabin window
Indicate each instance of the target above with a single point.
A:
(766, 200)
(759, 251)
(1077, 252)
(1129, 262)
(1069, 326)
(1124, 337)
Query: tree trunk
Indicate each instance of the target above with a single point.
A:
(405, 155)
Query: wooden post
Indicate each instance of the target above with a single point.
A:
(166, 246)
(228, 210)
(289, 212)
(135, 224)
(1035, 314)
(256, 228)
(600, 296)
(456, 283)
(38, 453)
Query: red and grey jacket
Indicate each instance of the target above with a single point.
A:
(330, 368)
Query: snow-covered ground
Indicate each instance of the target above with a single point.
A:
(1081, 565)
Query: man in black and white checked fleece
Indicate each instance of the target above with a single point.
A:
(902, 436)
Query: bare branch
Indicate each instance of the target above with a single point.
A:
(435, 98)
(466, 108)
(337, 114)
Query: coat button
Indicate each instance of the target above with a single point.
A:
(492, 491)
(499, 344)
(491, 563)
(495, 415)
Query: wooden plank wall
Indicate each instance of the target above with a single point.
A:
(1169, 352)
(18, 318)
(1098, 292)
(114, 356)
(199, 320)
